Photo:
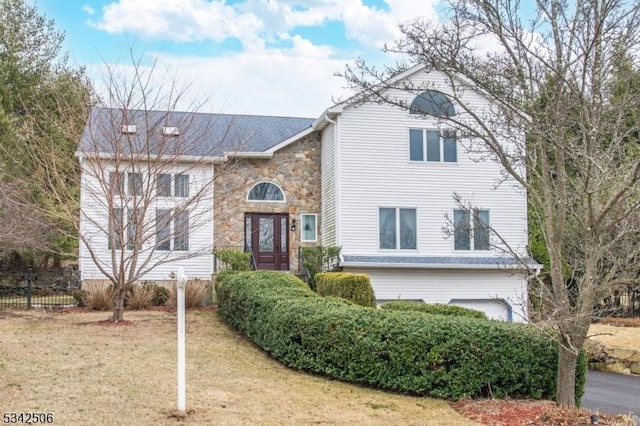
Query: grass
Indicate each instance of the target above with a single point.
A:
(86, 374)
(621, 337)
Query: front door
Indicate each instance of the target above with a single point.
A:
(267, 236)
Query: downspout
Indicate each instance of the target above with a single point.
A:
(336, 164)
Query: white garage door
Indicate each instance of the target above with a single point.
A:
(494, 308)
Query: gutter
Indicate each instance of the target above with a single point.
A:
(380, 265)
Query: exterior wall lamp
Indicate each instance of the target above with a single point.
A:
(294, 224)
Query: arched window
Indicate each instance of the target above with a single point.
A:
(433, 103)
(265, 191)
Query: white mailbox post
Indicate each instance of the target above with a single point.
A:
(182, 374)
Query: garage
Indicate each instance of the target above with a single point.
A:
(494, 308)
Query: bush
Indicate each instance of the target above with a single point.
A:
(161, 295)
(80, 296)
(140, 296)
(100, 297)
(435, 309)
(434, 355)
(194, 296)
(354, 287)
(319, 259)
(235, 260)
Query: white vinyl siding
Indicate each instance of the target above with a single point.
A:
(375, 170)
(197, 238)
(329, 184)
(459, 287)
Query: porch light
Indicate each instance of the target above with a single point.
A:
(294, 223)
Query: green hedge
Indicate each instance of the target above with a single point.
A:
(234, 259)
(433, 308)
(354, 287)
(435, 355)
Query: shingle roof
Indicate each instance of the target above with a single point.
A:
(201, 134)
(437, 262)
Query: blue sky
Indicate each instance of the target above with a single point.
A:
(268, 57)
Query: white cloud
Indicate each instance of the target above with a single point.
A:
(184, 21)
(275, 82)
(253, 21)
(88, 9)
(263, 79)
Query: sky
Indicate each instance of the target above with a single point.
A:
(263, 57)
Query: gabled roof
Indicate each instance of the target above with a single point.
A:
(214, 134)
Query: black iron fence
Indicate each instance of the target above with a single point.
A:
(622, 303)
(29, 288)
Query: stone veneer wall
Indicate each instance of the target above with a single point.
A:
(295, 168)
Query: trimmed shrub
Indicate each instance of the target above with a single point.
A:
(354, 287)
(319, 259)
(433, 308)
(235, 260)
(435, 355)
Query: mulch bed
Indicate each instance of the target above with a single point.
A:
(505, 412)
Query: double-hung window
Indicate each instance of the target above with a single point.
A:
(163, 185)
(397, 228)
(471, 229)
(135, 183)
(116, 183)
(165, 224)
(117, 223)
(181, 232)
(433, 145)
(181, 186)
(115, 229)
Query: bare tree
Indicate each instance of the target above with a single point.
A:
(549, 75)
(147, 175)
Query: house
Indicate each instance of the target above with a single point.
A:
(378, 181)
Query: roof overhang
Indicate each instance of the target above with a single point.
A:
(427, 262)
(145, 157)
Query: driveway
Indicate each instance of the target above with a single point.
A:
(612, 393)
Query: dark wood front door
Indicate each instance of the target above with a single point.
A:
(267, 235)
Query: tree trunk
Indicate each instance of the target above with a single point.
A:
(118, 304)
(566, 380)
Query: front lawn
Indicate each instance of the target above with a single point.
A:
(89, 373)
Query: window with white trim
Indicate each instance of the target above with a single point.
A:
(433, 145)
(397, 228)
(134, 181)
(164, 235)
(265, 191)
(117, 221)
(471, 230)
(116, 183)
(181, 183)
(163, 185)
(309, 226)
